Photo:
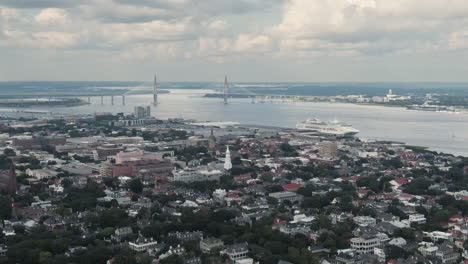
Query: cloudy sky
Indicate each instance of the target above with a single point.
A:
(250, 40)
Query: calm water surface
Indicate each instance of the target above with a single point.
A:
(445, 132)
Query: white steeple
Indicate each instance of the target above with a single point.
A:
(227, 161)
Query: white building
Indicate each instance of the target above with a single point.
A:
(237, 251)
(41, 173)
(364, 220)
(282, 196)
(380, 253)
(143, 244)
(208, 244)
(417, 218)
(193, 175)
(365, 244)
(436, 235)
(219, 194)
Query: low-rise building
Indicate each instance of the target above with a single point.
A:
(417, 218)
(208, 244)
(364, 220)
(237, 251)
(144, 244)
(365, 244)
(283, 196)
(438, 235)
(194, 175)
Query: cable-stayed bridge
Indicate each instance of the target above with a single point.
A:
(117, 96)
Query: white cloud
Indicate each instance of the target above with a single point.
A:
(149, 31)
(55, 39)
(8, 13)
(218, 25)
(339, 24)
(51, 16)
(253, 43)
(230, 31)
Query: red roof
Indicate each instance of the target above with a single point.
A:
(406, 195)
(291, 186)
(363, 191)
(402, 181)
(278, 220)
(243, 177)
(455, 217)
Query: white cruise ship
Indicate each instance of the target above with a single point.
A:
(328, 128)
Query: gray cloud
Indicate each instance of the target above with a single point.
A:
(195, 8)
(41, 3)
(229, 33)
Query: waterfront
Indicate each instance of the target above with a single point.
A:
(439, 131)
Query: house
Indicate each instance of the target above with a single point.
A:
(365, 244)
(144, 244)
(398, 241)
(194, 260)
(447, 255)
(417, 218)
(283, 196)
(291, 187)
(237, 251)
(364, 220)
(187, 236)
(173, 251)
(208, 244)
(243, 178)
(121, 233)
(362, 193)
(438, 235)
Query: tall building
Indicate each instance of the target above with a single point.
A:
(155, 91)
(212, 142)
(8, 180)
(142, 112)
(226, 90)
(328, 149)
(227, 161)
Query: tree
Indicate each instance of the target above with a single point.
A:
(5, 207)
(418, 186)
(135, 185)
(5, 162)
(107, 232)
(369, 182)
(288, 150)
(272, 200)
(316, 201)
(66, 183)
(406, 233)
(9, 152)
(44, 257)
(394, 252)
(74, 133)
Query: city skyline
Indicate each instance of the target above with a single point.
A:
(250, 40)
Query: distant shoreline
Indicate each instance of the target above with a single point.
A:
(55, 103)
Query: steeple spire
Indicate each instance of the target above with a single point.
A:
(227, 161)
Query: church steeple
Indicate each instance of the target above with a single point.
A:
(212, 142)
(227, 161)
